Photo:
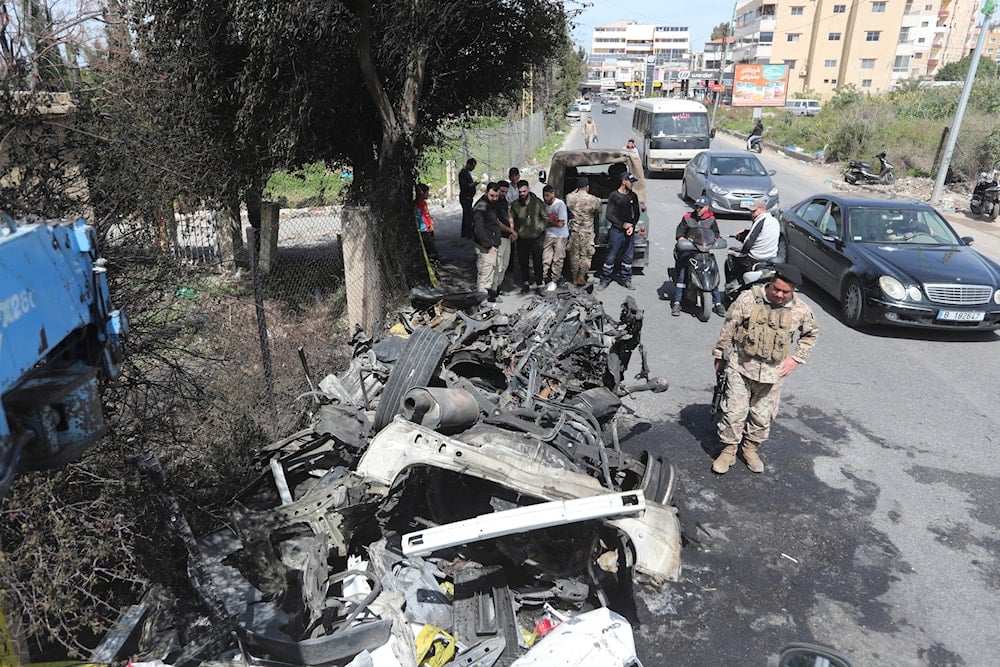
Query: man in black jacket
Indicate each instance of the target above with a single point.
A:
(622, 214)
(486, 237)
(466, 193)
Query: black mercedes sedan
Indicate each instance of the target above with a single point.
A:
(892, 262)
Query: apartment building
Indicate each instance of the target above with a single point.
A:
(991, 47)
(869, 43)
(621, 54)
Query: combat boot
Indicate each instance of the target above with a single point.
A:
(750, 456)
(724, 460)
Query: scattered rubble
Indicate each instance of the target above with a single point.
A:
(459, 494)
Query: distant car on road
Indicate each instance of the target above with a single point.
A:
(584, 105)
(892, 262)
(609, 107)
(730, 179)
(573, 113)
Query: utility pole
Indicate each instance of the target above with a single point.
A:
(722, 64)
(956, 125)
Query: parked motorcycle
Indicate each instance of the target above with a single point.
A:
(702, 269)
(985, 195)
(755, 143)
(862, 171)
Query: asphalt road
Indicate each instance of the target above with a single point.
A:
(874, 528)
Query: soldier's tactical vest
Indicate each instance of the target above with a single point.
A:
(768, 332)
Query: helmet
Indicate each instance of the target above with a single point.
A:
(701, 201)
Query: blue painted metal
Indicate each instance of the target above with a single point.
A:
(59, 334)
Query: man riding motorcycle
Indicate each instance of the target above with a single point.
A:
(756, 133)
(760, 243)
(700, 217)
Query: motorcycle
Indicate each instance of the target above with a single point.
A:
(702, 269)
(985, 195)
(755, 143)
(862, 171)
(761, 271)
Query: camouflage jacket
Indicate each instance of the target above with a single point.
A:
(753, 367)
(583, 211)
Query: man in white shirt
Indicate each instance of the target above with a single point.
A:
(556, 235)
(760, 242)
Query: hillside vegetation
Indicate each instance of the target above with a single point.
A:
(907, 123)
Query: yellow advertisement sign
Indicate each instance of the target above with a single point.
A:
(760, 85)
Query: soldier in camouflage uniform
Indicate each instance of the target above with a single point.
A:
(583, 209)
(758, 338)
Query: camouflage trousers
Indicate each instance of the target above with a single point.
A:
(580, 251)
(747, 409)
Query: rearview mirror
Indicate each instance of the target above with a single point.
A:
(772, 172)
(967, 240)
(541, 176)
(711, 133)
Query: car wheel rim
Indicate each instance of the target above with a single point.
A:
(852, 302)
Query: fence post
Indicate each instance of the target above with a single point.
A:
(265, 346)
(269, 214)
(361, 271)
(230, 238)
(450, 177)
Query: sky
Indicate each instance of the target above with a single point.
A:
(700, 16)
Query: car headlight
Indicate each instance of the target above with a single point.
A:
(773, 192)
(914, 293)
(996, 297)
(718, 189)
(892, 288)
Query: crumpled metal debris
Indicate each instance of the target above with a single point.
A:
(474, 412)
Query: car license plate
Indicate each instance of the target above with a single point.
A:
(961, 315)
(746, 203)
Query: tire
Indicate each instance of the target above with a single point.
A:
(852, 303)
(758, 147)
(417, 364)
(850, 178)
(992, 213)
(684, 189)
(889, 178)
(705, 307)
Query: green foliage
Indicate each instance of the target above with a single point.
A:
(909, 85)
(959, 70)
(845, 96)
(312, 185)
(720, 31)
(807, 94)
(927, 103)
(917, 172)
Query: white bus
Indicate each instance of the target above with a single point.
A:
(669, 132)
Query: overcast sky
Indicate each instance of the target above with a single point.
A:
(700, 16)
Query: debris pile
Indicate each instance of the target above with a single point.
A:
(460, 497)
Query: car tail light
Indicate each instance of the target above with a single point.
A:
(642, 207)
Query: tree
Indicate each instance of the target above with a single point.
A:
(958, 70)
(354, 82)
(720, 31)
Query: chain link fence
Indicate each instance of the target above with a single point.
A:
(498, 148)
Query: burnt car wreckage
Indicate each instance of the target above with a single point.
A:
(464, 476)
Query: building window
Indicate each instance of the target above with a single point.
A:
(924, 24)
(834, 37)
(790, 64)
(826, 81)
(766, 37)
(928, 8)
(878, 8)
(989, 50)
(839, 9)
(793, 37)
(798, 11)
(920, 40)
(830, 63)
(993, 40)
(904, 35)
(866, 83)
(872, 35)
(901, 64)
(918, 56)
(867, 63)
(833, 81)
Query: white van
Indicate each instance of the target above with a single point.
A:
(803, 107)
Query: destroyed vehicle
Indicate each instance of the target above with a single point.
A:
(603, 168)
(478, 451)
